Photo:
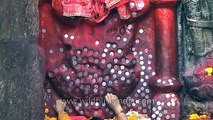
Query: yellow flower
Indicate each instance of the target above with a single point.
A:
(194, 116)
(46, 110)
(209, 71)
(50, 118)
(198, 117)
(53, 118)
(132, 117)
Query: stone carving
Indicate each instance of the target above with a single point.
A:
(199, 16)
(199, 30)
(88, 56)
(198, 48)
(200, 85)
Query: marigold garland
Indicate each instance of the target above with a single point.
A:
(134, 115)
(46, 111)
(131, 115)
(50, 118)
(198, 117)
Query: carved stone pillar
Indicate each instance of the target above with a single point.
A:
(164, 85)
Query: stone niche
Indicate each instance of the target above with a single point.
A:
(128, 48)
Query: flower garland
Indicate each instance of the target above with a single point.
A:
(134, 115)
(198, 117)
(131, 115)
(46, 111)
(50, 118)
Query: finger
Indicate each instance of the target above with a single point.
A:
(115, 97)
(107, 98)
(111, 96)
(64, 104)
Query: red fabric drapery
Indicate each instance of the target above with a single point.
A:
(98, 10)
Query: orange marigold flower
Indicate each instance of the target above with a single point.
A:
(204, 117)
(50, 118)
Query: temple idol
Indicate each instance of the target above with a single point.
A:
(156, 56)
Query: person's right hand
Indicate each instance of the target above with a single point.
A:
(60, 106)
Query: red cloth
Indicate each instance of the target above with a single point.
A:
(96, 10)
(77, 7)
